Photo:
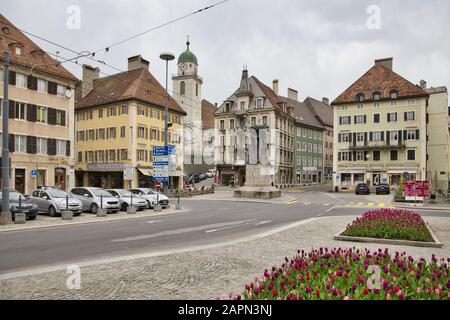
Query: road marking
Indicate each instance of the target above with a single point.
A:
(325, 212)
(381, 205)
(179, 231)
(307, 203)
(292, 202)
(327, 204)
(113, 259)
(263, 222)
(333, 196)
(351, 203)
(361, 203)
(152, 222)
(371, 204)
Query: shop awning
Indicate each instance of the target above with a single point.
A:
(146, 172)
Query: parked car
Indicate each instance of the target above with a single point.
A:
(53, 201)
(91, 199)
(26, 206)
(362, 188)
(151, 196)
(383, 189)
(203, 176)
(196, 178)
(125, 200)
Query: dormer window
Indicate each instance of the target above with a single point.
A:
(376, 96)
(227, 107)
(360, 97)
(259, 103)
(394, 95)
(284, 107)
(242, 105)
(18, 51)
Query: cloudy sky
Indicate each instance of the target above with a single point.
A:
(317, 47)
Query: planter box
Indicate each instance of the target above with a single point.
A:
(20, 218)
(67, 215)
(435, 244)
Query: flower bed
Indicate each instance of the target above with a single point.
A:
(395, 224)
(342, 274)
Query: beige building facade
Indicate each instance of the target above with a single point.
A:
(380, 130)
(41, 112)
(437, 132)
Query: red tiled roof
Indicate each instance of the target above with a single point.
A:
(137, 84)
(29, 58)
(379, 79)
(208, 110)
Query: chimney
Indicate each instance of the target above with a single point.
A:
(423, 84)
(275, 86)
(216, 105)
(89, 75)
(137, 62)
(326, 101)
(292, 94)
(386, 62)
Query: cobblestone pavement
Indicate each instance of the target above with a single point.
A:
(43, 221)
(203, 274)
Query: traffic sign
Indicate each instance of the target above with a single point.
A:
(128, 173)
(164, 162)
(33, 173)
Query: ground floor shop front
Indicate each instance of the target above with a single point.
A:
(27, 176)
(142, 178)
(305, 175)
(348, 179)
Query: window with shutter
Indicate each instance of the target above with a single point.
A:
(51, 116)
(31, 112)
(12, 78)
(12, 109)
(68, 148)
(11, 143)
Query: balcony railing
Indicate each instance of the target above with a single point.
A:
(374, 145)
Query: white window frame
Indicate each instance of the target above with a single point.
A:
(42, 85)
(41, 145)
(21, 80)
(60, 90)
(61, 147)
(408, 113)
(20, 143)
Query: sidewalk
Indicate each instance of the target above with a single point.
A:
(205, 273)
(43, 221)
(426, 206)
(227, 195)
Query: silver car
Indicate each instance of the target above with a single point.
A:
(54, 202)
(152, 197)
(126, 198)
(95, 198)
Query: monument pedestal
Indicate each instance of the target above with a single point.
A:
(258, 183)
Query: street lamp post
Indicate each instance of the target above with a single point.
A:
(5, 216)
(166, 56)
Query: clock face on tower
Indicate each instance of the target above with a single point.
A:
(182, 66)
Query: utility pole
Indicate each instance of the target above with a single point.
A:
(5, 216)
(166, 56)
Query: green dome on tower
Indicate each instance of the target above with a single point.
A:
(187, 56)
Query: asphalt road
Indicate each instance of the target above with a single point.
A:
(206, 223)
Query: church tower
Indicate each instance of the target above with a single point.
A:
(187, 91)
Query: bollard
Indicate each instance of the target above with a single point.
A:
(20, 218)
(101, 201)
(158, 206)
(67, 215)
(102, 212)
(178, 207)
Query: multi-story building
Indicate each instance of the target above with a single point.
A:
(41, 112)
(380, 129)
(254, 106)
(437, 136)
(119, 119)
(449, 148)
(324, 114)
(308, 147)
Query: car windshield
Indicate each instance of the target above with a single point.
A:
(147, 191)
(100, 192)
(124, 193)
(58, 194)
(13, 196)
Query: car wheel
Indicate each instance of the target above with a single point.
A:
(124, 207)
(31, 218)
(52, 211)
(150, 206)
(77, 214)
(94, 208)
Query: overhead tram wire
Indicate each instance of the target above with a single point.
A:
(107, 49)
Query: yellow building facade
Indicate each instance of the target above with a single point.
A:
(119, 133)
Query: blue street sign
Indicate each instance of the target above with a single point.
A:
(33, 173)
